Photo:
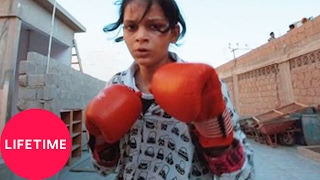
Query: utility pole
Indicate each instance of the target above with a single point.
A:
(233, 49)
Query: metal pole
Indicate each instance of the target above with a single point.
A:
(51, 34)
(233, 52)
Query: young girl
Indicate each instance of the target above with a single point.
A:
(164, 118)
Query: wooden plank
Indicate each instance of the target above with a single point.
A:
(276, 111)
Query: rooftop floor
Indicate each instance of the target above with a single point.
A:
(281, 163)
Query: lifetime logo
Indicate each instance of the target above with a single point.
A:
(34, 140)
(35, 144)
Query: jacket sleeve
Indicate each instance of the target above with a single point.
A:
(235, 162)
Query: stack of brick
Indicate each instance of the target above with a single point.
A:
(61, 88)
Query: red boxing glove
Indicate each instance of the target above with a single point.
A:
(191, 92)
(113, 112)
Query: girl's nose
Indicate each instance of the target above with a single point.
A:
(142, 35)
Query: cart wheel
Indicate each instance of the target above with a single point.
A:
(287, 139)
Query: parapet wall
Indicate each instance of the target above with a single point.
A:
(284, 70)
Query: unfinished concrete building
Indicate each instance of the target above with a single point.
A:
(26, 30)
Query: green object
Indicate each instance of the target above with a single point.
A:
(311, 128)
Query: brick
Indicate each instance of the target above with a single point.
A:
(308, 77)
(50, 79)
(49, 92)
(287, 41)
(316, 27)
(36, 57)
(23, 80)
(301, 36)
(303, 92)
(301, 32)
(315, 83)
(316, 100)
(294, 39)
(25, 104)
(298, 99)
(317, 92)
(21, 105)
(26, 67)
(315, 73)
(307, 83)
(308, 25)
(27, 93)
(308, 99)
(296, 92)
(35, 80)
(311, 68)
(40, 93)
(314, 31)
(309, 31)
(294, 84)
(311, 92)
(48, 105)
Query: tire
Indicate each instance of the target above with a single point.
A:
(287, 139)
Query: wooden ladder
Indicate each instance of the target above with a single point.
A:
(75, 53)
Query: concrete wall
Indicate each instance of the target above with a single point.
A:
(62, 88)
(284, 70)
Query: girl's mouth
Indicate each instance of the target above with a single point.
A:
(142, 52)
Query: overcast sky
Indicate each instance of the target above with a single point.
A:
(211, 26)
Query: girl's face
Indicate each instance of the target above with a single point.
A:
(147, 45)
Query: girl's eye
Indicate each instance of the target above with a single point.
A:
(159, 27)
(130, 27)
(154, 27)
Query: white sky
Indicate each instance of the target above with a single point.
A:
(211, 26)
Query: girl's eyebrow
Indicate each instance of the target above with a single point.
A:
(129, 21)
(156, 19)
(152, 19)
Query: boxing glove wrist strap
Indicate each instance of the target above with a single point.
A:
(217, 151)
(107, 157)
(104, 153)
(231, 160)
(216, 131)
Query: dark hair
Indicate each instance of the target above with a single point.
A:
(170, 9)
(291, 26)
(271, 33)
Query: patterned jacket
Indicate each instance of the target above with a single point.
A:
(160, 147)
